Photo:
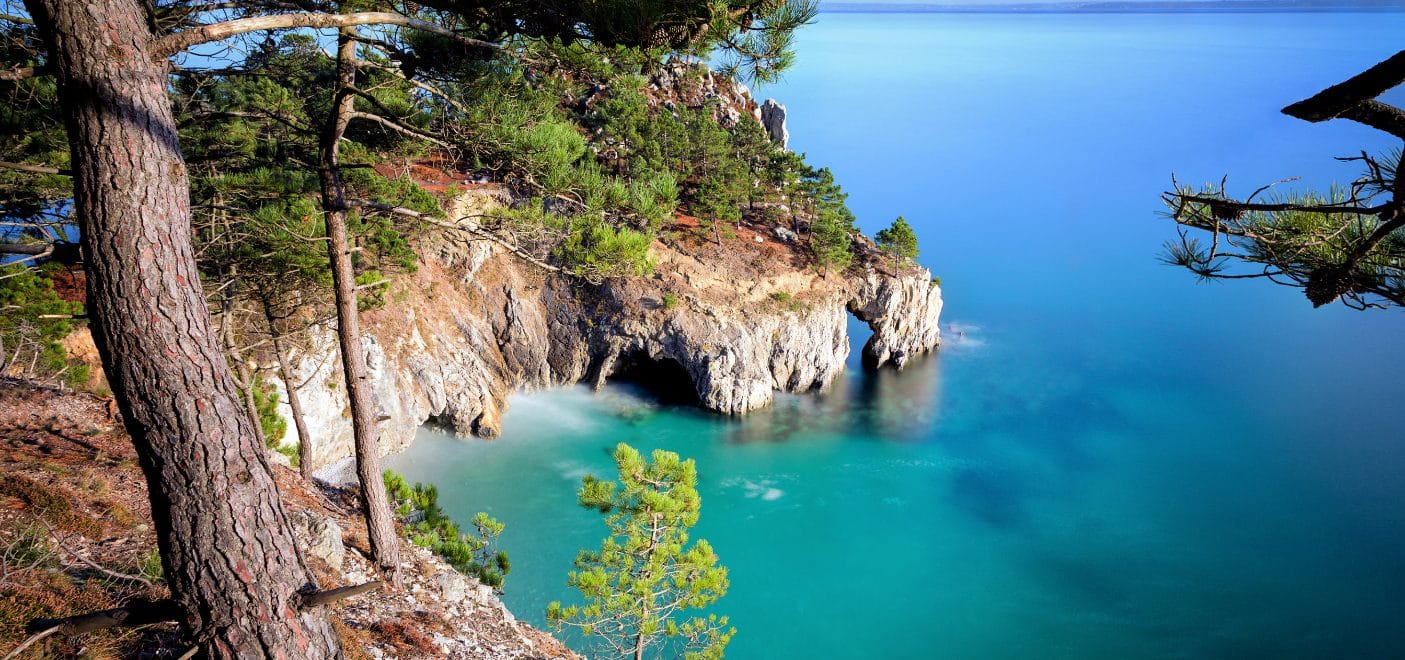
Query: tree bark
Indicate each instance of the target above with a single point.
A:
(228, 549)
(379, 524)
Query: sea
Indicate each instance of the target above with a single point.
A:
(1106, 458)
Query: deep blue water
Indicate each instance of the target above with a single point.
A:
(1115, 461)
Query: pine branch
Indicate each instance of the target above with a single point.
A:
(179, 41)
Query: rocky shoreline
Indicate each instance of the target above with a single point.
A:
(736, 323)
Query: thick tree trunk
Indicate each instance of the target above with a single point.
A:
(379, 524)
(294, 401)
(228, 550)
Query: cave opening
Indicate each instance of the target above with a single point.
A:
(662, 377)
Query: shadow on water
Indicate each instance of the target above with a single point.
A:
(991, 497)
(886, 405)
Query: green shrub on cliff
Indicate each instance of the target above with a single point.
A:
(266, 403)
(429, 527)
(595, 250)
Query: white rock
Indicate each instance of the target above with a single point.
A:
(773, 119)
(321, 537)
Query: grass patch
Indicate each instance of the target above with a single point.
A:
(51, 504)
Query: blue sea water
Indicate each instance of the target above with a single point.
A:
(1113, 461)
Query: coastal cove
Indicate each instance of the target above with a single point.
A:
(1104, 459)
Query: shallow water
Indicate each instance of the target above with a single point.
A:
(1113, 461)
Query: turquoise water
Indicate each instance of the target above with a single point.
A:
(1115, 461)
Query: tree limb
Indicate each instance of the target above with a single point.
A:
(37, 249)
(179, 41)
(1333, 101)
(1377, 115)
(36, 169)
(390, 123)
(135, 613)
(470, 228)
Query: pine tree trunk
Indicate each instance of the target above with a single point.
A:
(290, 386)
(227, 547)
(379, 524)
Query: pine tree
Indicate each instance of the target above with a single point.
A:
(898, 240)
(644, 574)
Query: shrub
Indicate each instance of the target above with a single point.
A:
(595, 250)
(25, 296)
(670, 300)
(151, 567)
(471, 554)
(266, 403)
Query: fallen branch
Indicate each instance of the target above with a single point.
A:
(318, 598)
(135, 613)
(19, 73)
(61, 542)
(36, 637)
(147, 612)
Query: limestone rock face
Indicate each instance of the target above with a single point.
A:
(735, 358)
(904, 312)
(773, 119)
(477, 323)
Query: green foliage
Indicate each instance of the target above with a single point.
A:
(782, 297)
(645, 575)
(150, 566)
(670, 300)
(30, 346)
(251, 144)
(472, 554)
(830, 243)
(898, 240)
(595, 250)
(266, 403)
(1329, 244)
(292, 453)
(832, 221)
(32, 132)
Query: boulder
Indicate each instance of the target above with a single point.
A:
(773, 119)
(321, 537)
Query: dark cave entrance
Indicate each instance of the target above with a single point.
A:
(663, 378)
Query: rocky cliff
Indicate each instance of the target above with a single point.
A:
(730, 324)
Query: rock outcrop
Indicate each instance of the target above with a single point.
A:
(904, 312)
(732, 324)
(773, 120)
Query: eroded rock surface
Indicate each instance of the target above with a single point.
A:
(773, 119)
(738, 322)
